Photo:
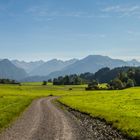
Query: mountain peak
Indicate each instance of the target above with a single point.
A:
(134, 60)
(5, 61)
(96, 56)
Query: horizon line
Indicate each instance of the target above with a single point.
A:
(67, 59)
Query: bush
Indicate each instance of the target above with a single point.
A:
(93, 85)
(117, 84)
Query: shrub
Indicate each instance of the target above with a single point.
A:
(93, 85)
(117, 84)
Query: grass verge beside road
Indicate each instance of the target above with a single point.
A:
(120, 108)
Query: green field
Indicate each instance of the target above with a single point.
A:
(121, 108)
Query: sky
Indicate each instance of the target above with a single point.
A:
(44, 29)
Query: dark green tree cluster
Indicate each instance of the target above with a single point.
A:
(93, 85)
(134, 74)
(126, 79)
(8, 81)
(68, 80)
(87, 77)
(105, 75)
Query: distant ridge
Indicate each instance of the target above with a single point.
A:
(27, 66)
(51, 66)
(133, 62)
(91, 63)
(10, 71)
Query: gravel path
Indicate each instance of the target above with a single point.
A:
(42, 121)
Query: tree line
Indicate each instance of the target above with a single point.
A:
(8, 81)
(117, 78)
(122, 78)
(68, 80)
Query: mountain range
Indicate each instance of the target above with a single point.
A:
(41, 70)
(51, 66)
(27, 66)
(91, 63)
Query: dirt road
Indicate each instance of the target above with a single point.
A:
(43, 121)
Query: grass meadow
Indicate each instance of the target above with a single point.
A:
(120, 108)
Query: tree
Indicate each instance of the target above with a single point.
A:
(44, 83)
(123, 77)
(66, 80)
(130, 83)
(137, 77)
(50, 80)
(55, 81)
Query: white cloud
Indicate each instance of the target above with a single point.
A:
(119, 8)
(123, 10)
(134, 33)
(38, 11)
(44, 11)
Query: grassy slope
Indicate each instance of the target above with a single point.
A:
(121, 108)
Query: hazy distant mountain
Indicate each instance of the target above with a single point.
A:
(27, 66)
(133, 62)
(35, 79)
(10, 71)
(91, 63)
(51, 66)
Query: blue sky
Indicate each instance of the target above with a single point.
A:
(46, 29)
